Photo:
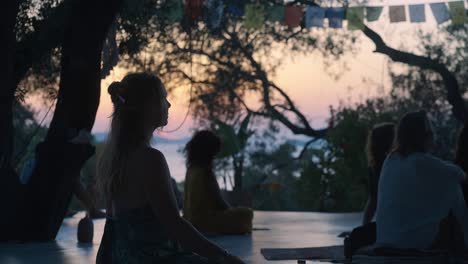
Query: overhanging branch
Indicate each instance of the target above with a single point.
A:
(454, 97)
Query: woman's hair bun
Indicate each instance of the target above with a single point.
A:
(115, 91)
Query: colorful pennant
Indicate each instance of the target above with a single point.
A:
(417, 13)
(457, 12)
(397, 13)
(214, 15)
(355, 17)
(193, 9)
(293, 16)
(440, 12)
(314, 16)
(254, 16)
(173, 11)
(275, 13)
(237, 7)
(335, 17)
(373, 13)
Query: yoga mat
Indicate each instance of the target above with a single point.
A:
(329, 253)
(261, 229)
(363, 259)
(344, 234)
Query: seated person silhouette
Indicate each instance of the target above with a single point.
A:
(419, 194)
(204, 205)
(379, 144)
(461, 156)
(143, 224)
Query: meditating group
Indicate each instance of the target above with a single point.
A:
(143, 221)
(418, 199)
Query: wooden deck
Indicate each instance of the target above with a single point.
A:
(285, 230)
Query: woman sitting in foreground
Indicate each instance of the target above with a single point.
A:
(379, 144)
(417, 190)
(461, 156)
(143, 224)
(204, 205)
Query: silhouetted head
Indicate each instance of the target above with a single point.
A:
(379, 144)
(140, 106)
(202, 149)
(414, 134)
(461, 154)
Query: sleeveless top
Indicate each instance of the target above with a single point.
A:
(135, 236)
(197, 199)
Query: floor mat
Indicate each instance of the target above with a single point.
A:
(335, 253)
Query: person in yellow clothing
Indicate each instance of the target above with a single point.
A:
(204, 205)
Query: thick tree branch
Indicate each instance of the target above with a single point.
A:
(454, 97)
(293, 108)
(307, 130)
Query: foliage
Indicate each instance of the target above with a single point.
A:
(332, 176)
(28, 133)
(416, 89)
(271, 176)
(227, 66)
(233, 148)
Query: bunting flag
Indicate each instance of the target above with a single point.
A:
(257, 13)
(173, 11)
(293, 16)
(275, 13)
(440, 12)
(314, 16)
(254, 16)
(237, 7)
(373, 13)
(457, 12)
(193, 9)
(397, 14)
(335, 17)
(417, 13)
(214, 15)
(355, 17)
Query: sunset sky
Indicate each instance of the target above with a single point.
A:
(304, 78)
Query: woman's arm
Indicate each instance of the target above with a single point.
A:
(369, 211)
(371, 206)
(158, 190)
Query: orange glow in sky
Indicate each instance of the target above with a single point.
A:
(305, 79)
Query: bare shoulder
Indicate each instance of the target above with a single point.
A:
(154, 161)
(154, 155)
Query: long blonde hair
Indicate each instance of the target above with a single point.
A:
(130, 127)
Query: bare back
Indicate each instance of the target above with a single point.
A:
(131, 195)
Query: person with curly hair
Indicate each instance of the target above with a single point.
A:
(204, 205)
(379, 144)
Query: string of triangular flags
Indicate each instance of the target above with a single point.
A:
(255, 13)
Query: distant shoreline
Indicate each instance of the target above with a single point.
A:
(101, 136)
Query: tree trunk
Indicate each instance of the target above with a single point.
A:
(238, 173)
(7, 47)
(8, 181)
(58, 161)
